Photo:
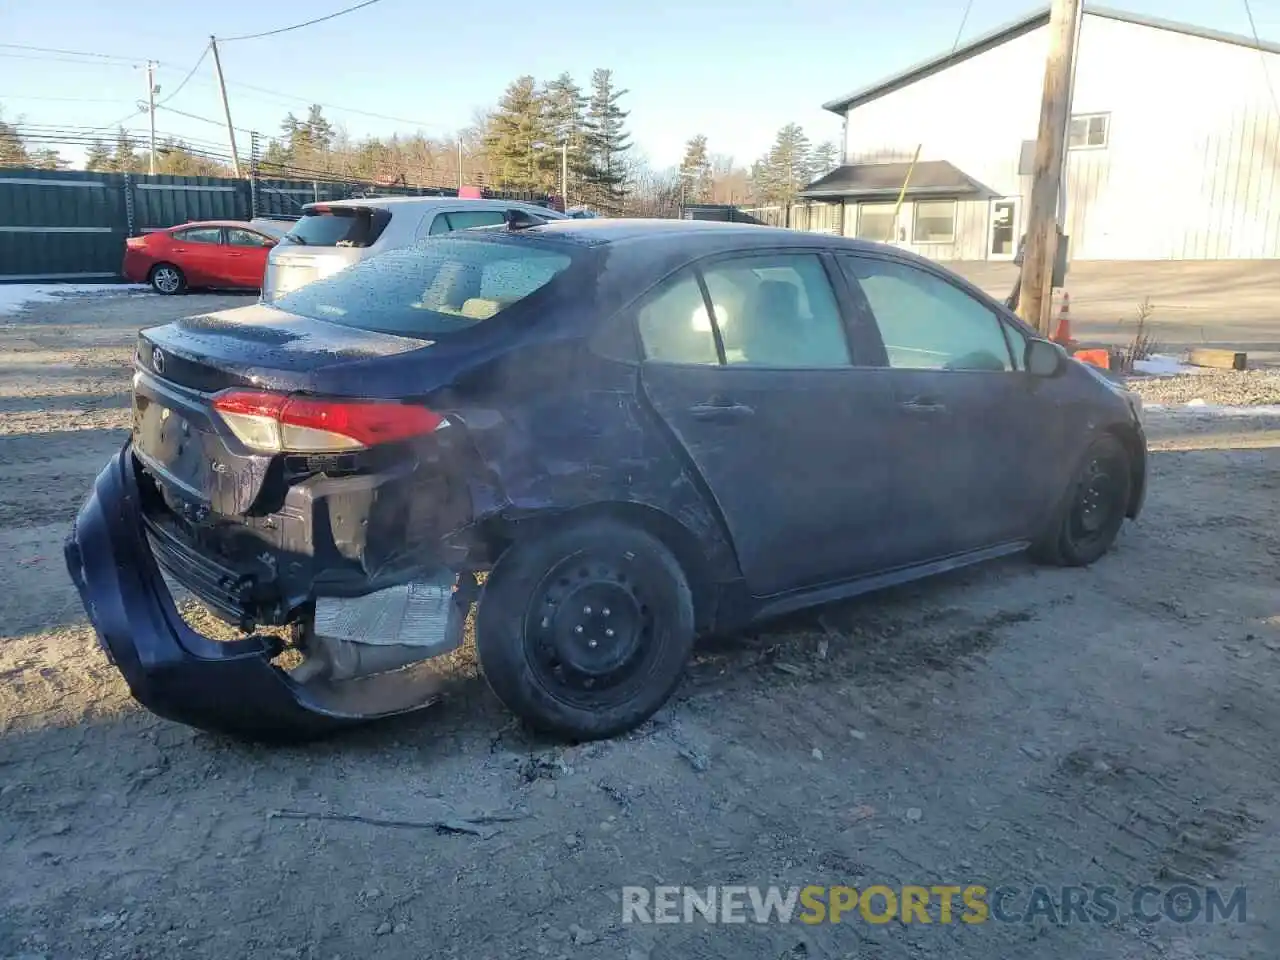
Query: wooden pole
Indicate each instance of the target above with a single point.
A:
(1055, 116)
(226, 107)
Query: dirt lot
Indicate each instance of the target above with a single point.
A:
(1008, 725)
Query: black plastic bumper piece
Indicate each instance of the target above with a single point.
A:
(175, 672)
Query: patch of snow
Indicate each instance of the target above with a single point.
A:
(15, 296)
(1161, 365)
(1197, 402)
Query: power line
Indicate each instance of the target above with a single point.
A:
(49, 58)
(23, 96)
(73, 53)
(288, 98)
(299, 26)
(185, 80)
(1262, 55)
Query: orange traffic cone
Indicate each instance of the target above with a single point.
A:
(1063, 334)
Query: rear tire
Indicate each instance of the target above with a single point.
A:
(167, 279)
(1093, 511)
(584, 632)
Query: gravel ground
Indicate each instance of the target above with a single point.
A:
(1006, 725)
(1226, 388)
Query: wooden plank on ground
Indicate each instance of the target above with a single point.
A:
(1218, 359)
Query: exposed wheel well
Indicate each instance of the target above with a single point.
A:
(1137, 460)
(670, 532)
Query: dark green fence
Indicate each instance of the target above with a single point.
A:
(70, 225)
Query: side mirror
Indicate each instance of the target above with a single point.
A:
(1044, 358)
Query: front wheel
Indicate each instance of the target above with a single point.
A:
(167, 279)
(1093, 512)
(584, 632)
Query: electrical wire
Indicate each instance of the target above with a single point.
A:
(190, 73)
(299, 26)
(73, 53)
(1262, 55)
(82, 62)
(23, 96)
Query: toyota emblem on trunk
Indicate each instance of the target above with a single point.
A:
(157, 360)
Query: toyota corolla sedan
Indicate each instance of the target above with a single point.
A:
(604, 438)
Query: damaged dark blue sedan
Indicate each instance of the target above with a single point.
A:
(603, 437)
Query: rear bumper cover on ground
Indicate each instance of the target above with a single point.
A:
(230, 687)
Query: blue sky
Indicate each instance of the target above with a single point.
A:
(735, 71)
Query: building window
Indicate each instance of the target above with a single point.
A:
(1089, 131)
(875, 222)
(935, 221)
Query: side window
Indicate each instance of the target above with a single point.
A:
(674, 326)
(199, 235)
(246, 238)
(1018, 344)
(925, 322)
(465, 219)
(777, 310)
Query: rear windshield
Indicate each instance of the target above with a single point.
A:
(438, 286)
(339, 226)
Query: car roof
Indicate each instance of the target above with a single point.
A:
(389, 202)
(245, 224)
(697, 235)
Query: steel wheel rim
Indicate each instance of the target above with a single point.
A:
(590, 633)
(1098, 503)
(166, 279)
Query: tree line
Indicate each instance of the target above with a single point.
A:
(538, 135)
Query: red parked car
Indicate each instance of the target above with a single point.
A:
(210, 253)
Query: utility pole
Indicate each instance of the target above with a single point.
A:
(459, 164)
(226, 107)
(1055, 116)
(151, 111)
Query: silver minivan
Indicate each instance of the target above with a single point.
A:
(329, 237)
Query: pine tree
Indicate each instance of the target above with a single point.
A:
(786, 169)
(97, 159)
(124, 154)
(824, 159)
(606, 142)
(13, 152)
(695, 171)
(566, 107)
(47, 159)
(519, 122)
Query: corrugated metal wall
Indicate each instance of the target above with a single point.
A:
(1190, 170)
(60, 224)
(70, 225)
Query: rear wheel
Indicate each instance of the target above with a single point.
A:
(585, 632)
(167, 279)
(1090, 519)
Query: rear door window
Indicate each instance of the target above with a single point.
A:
(438, 286)
(199, 235)
(340, 227)
(237, 237)
(466, 219)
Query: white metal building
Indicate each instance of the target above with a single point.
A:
(1174, 147)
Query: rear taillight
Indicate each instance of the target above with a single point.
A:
(135, 242)
(279, 423)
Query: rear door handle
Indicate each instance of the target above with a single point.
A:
(924, 405)
(723, 412)
(235, 254)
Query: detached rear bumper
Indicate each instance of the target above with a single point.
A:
(229, 687)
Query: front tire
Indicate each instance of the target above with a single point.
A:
(167, 279)
(584, 632)
(1090, 518)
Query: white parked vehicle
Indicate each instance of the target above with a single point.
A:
(331, 236)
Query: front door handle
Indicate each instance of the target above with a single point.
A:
(720, 411)
(924, 405)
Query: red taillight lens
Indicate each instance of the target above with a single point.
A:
(277, 423)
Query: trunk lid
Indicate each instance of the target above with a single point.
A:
(179, 437)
